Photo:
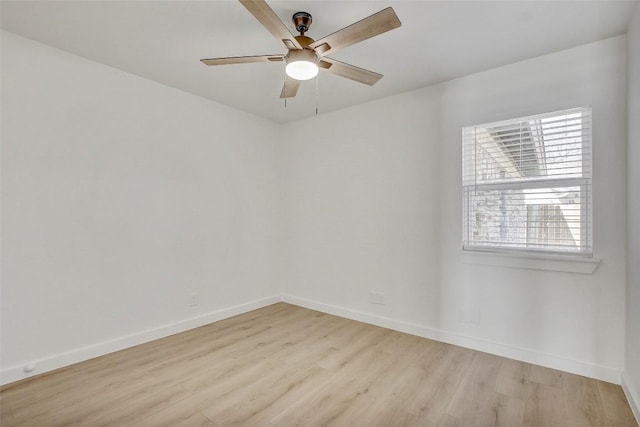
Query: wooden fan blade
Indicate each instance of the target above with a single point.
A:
(242, 59)
(378, 23)
(349, 71)
(268, 18)
(290, 88)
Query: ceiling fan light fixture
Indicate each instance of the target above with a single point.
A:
(303, 53)
(302, 64)
(302, 70)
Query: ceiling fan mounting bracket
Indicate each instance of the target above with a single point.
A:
(302, 22)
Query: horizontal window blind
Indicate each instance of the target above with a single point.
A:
(527, 183)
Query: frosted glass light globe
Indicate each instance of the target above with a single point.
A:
(302, 64)
(302, 70)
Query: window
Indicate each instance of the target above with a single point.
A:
(527, 184)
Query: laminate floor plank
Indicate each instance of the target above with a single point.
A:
(544, 406)
(476, 403)
(336, 337)
(513, 378)
(439, 384)
(332, 404)
(547, 376)
(195, 420)
(583, 405)
(283, 366)
(616, 407)
(270, 396)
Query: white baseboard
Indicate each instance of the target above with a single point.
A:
(604, 373)
(633, 395)
(16, 373)
(591, 370)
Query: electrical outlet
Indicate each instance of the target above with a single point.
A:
(195, 299)
(376, 297)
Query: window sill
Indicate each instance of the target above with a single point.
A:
(564, 263)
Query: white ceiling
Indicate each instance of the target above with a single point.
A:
(438, 41)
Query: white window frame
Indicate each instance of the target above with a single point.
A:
(584, 182)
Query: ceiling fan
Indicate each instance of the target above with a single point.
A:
(305, 56)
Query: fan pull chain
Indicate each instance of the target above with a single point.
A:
(284, 89)
(317, 78)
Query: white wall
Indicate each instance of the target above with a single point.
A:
(631, 378)
(120, 198)
(374, 204)
(361, 194)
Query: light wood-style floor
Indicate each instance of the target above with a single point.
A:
(288, 366)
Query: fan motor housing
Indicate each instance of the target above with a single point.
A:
(301, 55)
(304, 41)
